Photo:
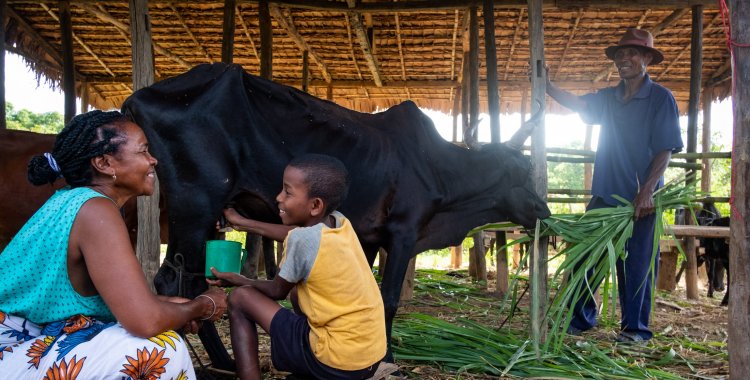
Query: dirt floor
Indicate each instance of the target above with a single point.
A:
(695, 330)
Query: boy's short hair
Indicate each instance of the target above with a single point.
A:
(326, 177)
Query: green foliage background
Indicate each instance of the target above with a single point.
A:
(23, 119)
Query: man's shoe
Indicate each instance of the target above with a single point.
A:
(627, 337)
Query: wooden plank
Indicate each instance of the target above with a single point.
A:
(68, 78)
(355, 19)
(739, 246)
(697, 231)
(227, 36)
(292, 32)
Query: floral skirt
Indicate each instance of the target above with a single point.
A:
(83, 348)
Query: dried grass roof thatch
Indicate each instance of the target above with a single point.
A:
(416, 54)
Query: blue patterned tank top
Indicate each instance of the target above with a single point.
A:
(34, 282)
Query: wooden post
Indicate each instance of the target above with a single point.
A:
(148, 242)
(305, 70)
(587, 167)
(456, 256)
(539, 166)
(739, 246)
(407, 287)
(69, 80)
(501, 283)
(493, 100)
(84, 97)
(706, 140)
(465, 97)
(329, 92)
(2, 64)
(266, 40)
(456, 111)
(696, 64)
(473, 71)
(479, 254)
(227, 39)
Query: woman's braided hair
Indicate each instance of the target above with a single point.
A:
(88, 135)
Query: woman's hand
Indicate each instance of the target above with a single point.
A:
(217, 307)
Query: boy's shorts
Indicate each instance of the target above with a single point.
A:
(290, 350)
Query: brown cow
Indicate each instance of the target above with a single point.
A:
(19, 199)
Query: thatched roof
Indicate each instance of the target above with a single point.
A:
(417, 54)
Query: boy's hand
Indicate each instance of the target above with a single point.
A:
(224, 279)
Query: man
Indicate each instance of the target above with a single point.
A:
(639, 132)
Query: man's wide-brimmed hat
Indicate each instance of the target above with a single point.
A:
(639, 38)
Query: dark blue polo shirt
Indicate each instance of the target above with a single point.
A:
(632, 134)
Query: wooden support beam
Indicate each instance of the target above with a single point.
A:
(68, 79)
(125, 29)
(266, 40)
(696, 66)
(401, 52)
(453, 45)
(739, 246)
(147, 247)
(227, 35)
(190, 34)
(305, 70)
(355, 19)
(473, 77)
(80, 42)
(571, 35)
(539, 172)
(655, 31)
(288, 25)
(516, 35)
(493, 98)
(247, 34)
(706, 141)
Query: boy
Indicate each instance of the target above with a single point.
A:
(338, 331)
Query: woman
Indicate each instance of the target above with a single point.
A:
(73, 299)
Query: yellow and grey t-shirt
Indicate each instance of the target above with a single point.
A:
(338, 294)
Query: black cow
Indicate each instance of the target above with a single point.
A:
(223, 136)
(717, 260)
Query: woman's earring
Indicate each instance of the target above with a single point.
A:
(114, 177)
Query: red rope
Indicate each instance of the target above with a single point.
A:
(725, 18)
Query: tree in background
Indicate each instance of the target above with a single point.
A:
(48, 122)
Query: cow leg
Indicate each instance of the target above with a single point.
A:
(711, 273)
(393, 278)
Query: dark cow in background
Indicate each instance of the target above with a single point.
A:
(223, 136)
(19, 199)
(716, 251)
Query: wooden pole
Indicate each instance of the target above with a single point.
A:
(456, 256)
(266, 40)
(696, 64)
(493, 99)
(706, 140)
(539, 166)
(473, 71)
(501, 283)
(588, 168)
(69, 80)
(465, 96)
(84, 97)
(2, 64)
(739, 246)
(479, 254)
(148, 242)
(227, 39)
(305, 70)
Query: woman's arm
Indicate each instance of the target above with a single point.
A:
(276, 289)
(99, 246)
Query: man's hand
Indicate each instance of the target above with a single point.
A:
(643, 204)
